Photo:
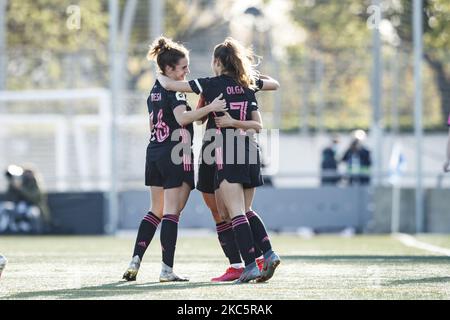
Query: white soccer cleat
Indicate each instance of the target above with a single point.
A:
(132, 270)
(171, 277)
(3, 262)
(167, 275)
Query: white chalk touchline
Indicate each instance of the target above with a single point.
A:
(410, 241)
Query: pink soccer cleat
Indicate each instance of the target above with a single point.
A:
(230, 274)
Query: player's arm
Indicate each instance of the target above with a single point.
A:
(268, 83)
(150, 121)
(185, 117)
(200, 104)
(227, 121)
(447, 161)
(174, 85)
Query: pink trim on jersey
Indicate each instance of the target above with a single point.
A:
(219, 154)
(219, 158)
(448, 121)
(162, 130)
(242, 107)
(187, 161)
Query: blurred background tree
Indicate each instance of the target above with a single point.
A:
(338, 33)
(325, 73)
(436, 40)
(44, 53)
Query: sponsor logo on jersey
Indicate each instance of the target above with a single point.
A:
(180, 96)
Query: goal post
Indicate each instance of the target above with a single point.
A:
(64, 134)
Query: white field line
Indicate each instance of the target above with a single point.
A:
(410, 241)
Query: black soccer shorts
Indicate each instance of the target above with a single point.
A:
(163, 172)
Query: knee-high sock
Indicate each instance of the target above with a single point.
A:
(227, 242)
(146, 231)
(169, 233)
(244, 238)
(259, 232)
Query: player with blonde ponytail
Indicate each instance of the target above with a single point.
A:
(234, 182)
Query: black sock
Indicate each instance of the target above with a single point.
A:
(258, 251)
(228, 242)
(145, 234)
(259, 231)
(169, 233)
(244, 238)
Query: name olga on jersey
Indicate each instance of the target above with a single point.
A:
(235, 90)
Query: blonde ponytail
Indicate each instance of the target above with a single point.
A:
(238, 62)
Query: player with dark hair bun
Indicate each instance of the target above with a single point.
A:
(169, 167)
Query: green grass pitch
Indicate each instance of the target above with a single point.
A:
(322, 267)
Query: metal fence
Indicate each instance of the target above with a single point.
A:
(321, 92)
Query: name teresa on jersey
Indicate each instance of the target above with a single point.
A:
(155, 97)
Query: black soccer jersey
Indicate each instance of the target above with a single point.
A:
(240, 101)
(161, 104)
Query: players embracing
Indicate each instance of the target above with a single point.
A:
(236, 174)
(169, 174)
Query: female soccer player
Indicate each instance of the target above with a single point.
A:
(236, 80)
(205, 184)
(169, 171)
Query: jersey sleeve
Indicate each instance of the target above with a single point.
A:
(199, 85)
(149, 106)
(448, 120)
(176, 99)
(259, 85)
(253, 104)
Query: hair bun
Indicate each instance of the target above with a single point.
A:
(166, 52)
(162, 45)
(162, 42)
